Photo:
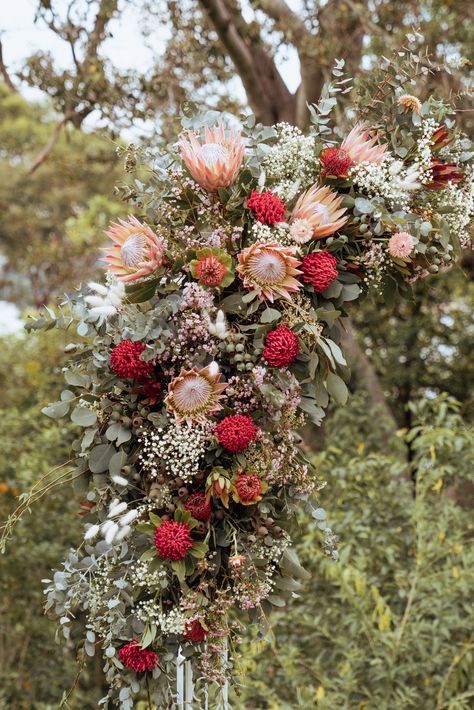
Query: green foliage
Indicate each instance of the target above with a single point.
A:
(425, 344)
(390, 625)
(31, 446)
(52, 220)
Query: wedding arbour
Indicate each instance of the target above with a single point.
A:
(214, 339)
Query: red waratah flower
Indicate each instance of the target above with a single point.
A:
(210, 271)
(125, 360)
(195, 631)
(281, 347)
(173, 540)
(267, 207)
(199, 506)
(319, 270)
(138, 659)
(335, 161)
(249, 487)
(236, 432)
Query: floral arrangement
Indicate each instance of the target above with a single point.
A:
(213, 341)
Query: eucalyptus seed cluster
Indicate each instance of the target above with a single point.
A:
(128, 418)
(239, 355)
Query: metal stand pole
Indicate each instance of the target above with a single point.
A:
(185, 685)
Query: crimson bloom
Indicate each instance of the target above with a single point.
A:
(138, 659)
(335, 162)
(319, 270)
(236, 432)
(199, 506)
(173, 540)
(249, 488)
(195, 631)
(267, 207)
(151, 390)
(125, 360)
(212, 267)
(281, 347)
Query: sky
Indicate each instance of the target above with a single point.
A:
(21, 37)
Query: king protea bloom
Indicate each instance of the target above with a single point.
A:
(136, 251)
(320, 209)
(269, 269)
(361, 147)
(215, 161)
(195, 394)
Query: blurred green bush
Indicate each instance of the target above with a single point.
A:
(390, 626)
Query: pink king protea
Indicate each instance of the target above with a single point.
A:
(319, 208)
(361, 147)
(136, 252)
(195, 394)
(214, 162)
(270, 269)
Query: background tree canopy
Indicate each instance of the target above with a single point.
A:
(388, 626)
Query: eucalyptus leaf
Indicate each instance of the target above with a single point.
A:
(56, 410)
(100, 456)
(269, 315)
(83, 416)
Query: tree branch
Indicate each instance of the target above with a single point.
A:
(267, 93)
(307, 46)
(105, 11)
(44, 153)
(4, 72)
(286, 19)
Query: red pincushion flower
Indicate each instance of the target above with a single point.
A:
(249, 487)
(319, 269)
(210, 271)
(236, 432)
(125, 360)
(195, 631)
(335, 161)
(267, 207)
(199, 506)
(281, 347)
(173, 540)
(138, 659)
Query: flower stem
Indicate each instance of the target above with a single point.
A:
(148, 693)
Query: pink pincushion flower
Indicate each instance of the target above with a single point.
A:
(401, 245)
(137, 251)
(215, 161)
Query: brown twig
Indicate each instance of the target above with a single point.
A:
(4, 72)
(44, 153)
